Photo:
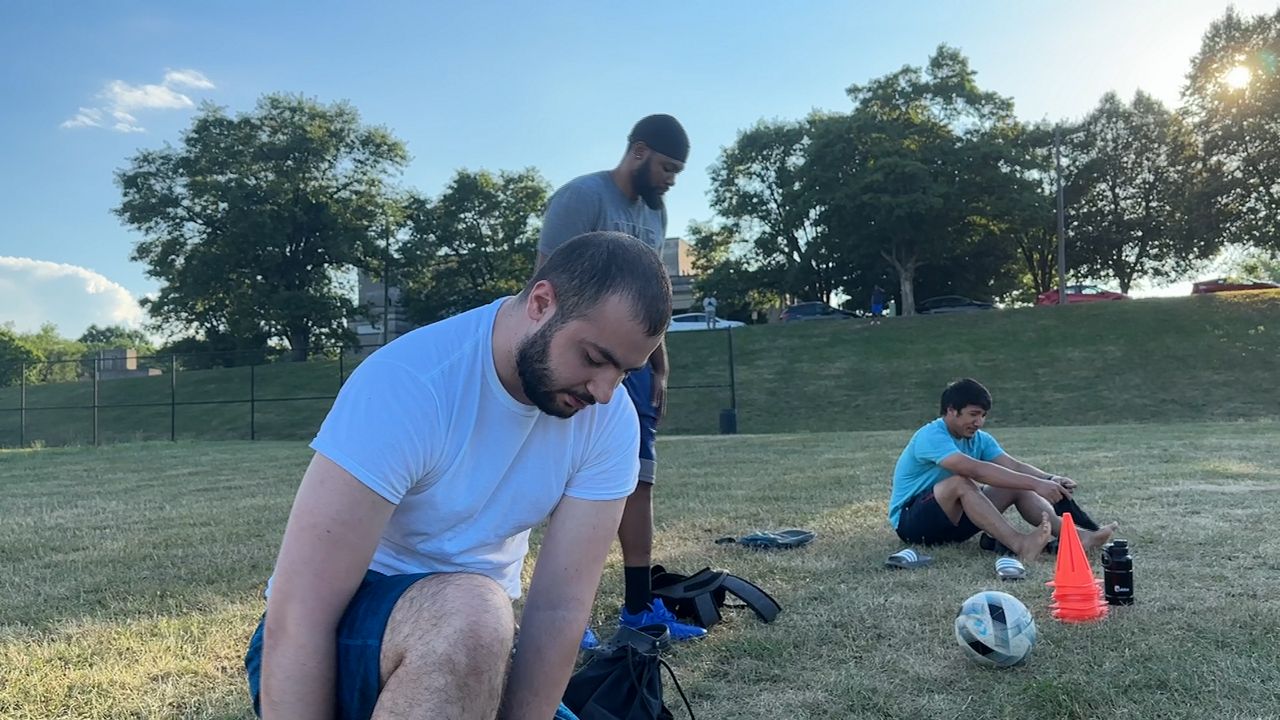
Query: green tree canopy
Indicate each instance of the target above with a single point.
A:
(15, 352)
(917, 176)
(1233, 99)
(475, 243)
(251, 221)
(1131, 211)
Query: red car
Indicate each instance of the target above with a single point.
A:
(1231, 285)
(1080, 294)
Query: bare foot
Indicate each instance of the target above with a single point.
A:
(1094, 539)
(1033, 542)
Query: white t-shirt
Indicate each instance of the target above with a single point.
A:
(709, 305)
(426, 423)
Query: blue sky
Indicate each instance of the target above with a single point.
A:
(490, 85)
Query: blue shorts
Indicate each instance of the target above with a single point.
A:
(639, 386)
(359, 645)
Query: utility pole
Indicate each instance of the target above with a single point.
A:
(386, 285)
(1062, 223)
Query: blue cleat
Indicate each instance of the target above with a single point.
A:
(658, 614)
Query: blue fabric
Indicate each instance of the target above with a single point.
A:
(918, 470)
(639, 385)
(359, 641)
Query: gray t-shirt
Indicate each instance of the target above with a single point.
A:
(594, 202)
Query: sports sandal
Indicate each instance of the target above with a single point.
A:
(1010, 568)
(907, 559)
(779, 540)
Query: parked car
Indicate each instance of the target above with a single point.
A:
(951, 304)
(1080, 294)
(698, 321)
(814, 310)
(1229, 284)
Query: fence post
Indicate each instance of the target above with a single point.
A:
(341, 370)
(22, 409)
(253, 430)
(97, 366)
(729, 415)
(173, 397)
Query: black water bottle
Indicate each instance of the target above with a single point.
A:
(1117, 572)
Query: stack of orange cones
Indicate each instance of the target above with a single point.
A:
(1077, 595)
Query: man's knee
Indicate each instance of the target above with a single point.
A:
(463, 616)
(956, 485)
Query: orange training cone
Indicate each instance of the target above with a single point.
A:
(1077, 595)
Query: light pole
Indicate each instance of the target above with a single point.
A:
(1062, 223)
(386, 285)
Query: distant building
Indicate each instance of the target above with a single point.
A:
(369, 327)
(677, 257)
(119, 363)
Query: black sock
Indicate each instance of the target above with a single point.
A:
(1078, 515)
(639, 592)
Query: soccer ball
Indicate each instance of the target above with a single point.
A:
(995, 629)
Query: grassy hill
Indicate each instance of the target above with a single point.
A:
(1161, 360)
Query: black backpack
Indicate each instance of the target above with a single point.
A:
(622, 680)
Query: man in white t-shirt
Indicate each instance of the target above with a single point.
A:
(404, 547)
(709, 305)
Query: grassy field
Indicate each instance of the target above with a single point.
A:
(1165, 360)
(134, 574)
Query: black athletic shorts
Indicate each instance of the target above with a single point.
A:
(923, 522)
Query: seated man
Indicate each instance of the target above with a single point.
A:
(953, 480)
(392, 591)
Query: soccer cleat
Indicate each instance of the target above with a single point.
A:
(589, 640)
(658, 614)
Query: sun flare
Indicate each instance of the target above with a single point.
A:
(1237, 77)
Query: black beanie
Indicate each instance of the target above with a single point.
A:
(663, 134)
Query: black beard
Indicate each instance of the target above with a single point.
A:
(534, 367)
(645, 189)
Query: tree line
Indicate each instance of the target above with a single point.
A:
(927, 184)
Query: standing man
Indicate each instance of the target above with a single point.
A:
(628, 199)
(391, 595)
(709, 306)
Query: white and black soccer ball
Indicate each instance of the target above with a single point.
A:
(995, 629)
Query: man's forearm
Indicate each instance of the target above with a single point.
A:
(998, 476)
(297, 674)
(543, 663)
(658, 360)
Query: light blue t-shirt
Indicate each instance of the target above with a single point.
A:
(918, 469)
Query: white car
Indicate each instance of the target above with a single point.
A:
(698, 321)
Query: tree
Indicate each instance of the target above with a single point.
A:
(477, 242)
(116, 336)
(1131, 214)
(1258, 265)
(250, 223)
(1233, 99)
(910, 179)
(722, 271)
(758, 188)
(15, 352)
(61, 359)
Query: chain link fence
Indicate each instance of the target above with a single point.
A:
(116, 396)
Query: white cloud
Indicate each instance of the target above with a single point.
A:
(120, 95)
(86, 117)
(188, 78)
(123, 99)
(34, 292)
